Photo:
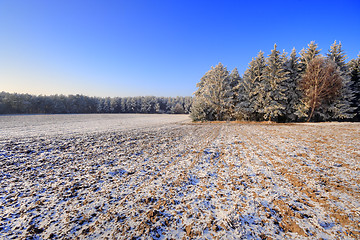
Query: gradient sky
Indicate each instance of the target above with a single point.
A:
(152, 47)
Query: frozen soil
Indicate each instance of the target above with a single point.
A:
(184, 180)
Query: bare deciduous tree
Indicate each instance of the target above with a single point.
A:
(321, 83)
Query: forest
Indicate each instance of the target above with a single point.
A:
(13, 103)
(282, 88)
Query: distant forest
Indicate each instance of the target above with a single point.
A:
(13, 103)
(283, 88)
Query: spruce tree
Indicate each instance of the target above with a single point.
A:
(292, 69)
(254, 85)
(242, 101)
(354, 71)
(234, 84)
(275, 88)
(307, 55)
(341, 107)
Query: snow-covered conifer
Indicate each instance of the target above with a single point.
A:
(292, 69)
(354, 70)
(307, 55)
(213, 93)
(242, 101)
(201, 111)
(233, 86)
(341, 107)
(254, 88)
(275, 88)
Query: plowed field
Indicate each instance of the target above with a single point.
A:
(186, 180)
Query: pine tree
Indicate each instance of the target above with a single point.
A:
(354, 71)
(341, 107)
(275, 76)
(254, 84)
(213, 94)
(292, 69)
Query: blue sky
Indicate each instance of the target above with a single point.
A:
(161, 48)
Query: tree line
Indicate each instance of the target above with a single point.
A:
(282, 88)
(14, 103)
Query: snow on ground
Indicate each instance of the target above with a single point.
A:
(179, 180)
(62, 124)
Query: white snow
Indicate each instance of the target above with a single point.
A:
(162, 177)
(53, 125)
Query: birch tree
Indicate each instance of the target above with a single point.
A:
(306, 56)
(320, 84)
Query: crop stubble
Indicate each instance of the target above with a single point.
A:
(206, 180)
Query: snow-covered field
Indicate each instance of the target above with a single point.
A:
(64, 124)
(163, 177)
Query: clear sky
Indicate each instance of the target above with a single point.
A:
(155, 47)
